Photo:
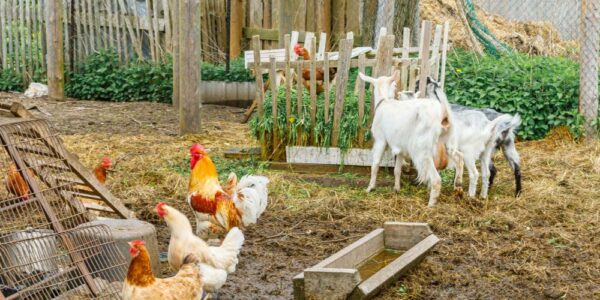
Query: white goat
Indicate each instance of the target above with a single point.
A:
(475, 137)
(412, 129)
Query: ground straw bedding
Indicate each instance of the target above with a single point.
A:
(541, 244)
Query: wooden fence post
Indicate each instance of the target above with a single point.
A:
(190, 61)
(424, 71)
(54, 36)
(235, 37)
(175, 51)
(340, 94)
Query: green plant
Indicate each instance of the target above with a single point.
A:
(543, 90)
(224, 166)
(101, 77)
(349, 123)
(10, 81)
(237, 72)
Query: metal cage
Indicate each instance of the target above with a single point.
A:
(47, 251)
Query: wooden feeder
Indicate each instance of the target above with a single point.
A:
(365, 267)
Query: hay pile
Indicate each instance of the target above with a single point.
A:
(535, 38)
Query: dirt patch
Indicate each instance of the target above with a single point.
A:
(543, 244)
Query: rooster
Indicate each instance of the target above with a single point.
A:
(141, 283)
(16, 184)
(320, 75)
(216, 208)
(215, 262)
(101, 169)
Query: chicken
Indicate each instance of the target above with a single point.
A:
(320, 75)
(140, 283)
(101, 169)
(16, 184)
(215, 262)
(240, 205)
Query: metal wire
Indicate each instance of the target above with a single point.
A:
(46, 248)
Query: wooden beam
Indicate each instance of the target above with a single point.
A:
(263, 34)
(190, 62)
(235, 37)
(55, 55)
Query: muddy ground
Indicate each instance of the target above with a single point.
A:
(543, 244)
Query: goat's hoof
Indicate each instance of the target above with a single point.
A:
(431, 204)
(397, 189)
(369, 189)
(459, 193)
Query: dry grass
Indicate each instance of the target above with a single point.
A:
(536, 38)
(543, 244)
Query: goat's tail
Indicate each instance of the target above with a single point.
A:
(500, 124)
(446, 121)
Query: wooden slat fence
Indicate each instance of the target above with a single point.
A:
(410, 61)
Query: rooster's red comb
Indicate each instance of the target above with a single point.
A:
(137, 243)
(197, 148)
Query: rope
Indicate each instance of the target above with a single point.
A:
(491, 44)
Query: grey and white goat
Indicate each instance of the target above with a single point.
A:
(412, 130)
(478, 138)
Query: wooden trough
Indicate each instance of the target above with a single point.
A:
(365, 267)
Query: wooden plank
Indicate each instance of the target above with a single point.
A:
(255, 16)
(435, 52)
(320, 64)
(313, 89)
(256, 45)
(85, 33)
(176, 79)
(264, 34)
(369, 17)
(342, 80)
(322, 46)
(54, 28)
(299, 102)
(330, 283)
(190, 96)
(96, 17)
(357, 252)
(338, 15)
(424, 70)
(390, 273)
(43, 25)
(152, 45)
(361, 102)
(335, 156)
(9, 34)
(3, 34)
(288, 83)
(23, 48)
(327, 87)
(404, 69)
(311, 16)
(236, 25)
(274, 98)
(109, 24)
(444, 53)
(155, 10)
(352, 17)
(29, 26)
(168, 29)
(323, 16)
(89, 12)
(403, 235)
(326, 169)
(135, 41)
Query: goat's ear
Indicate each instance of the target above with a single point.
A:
(365, 77)
(395, 75)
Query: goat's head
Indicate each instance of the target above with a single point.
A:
(383, 86)
(431, 87)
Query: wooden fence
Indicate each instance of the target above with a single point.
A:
(428, 59)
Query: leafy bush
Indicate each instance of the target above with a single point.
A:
(543, 90)
(101, 77)
(10, 81)
(237, 72)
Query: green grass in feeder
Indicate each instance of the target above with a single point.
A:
(349, 123)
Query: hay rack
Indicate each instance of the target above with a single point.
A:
(47, 248)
